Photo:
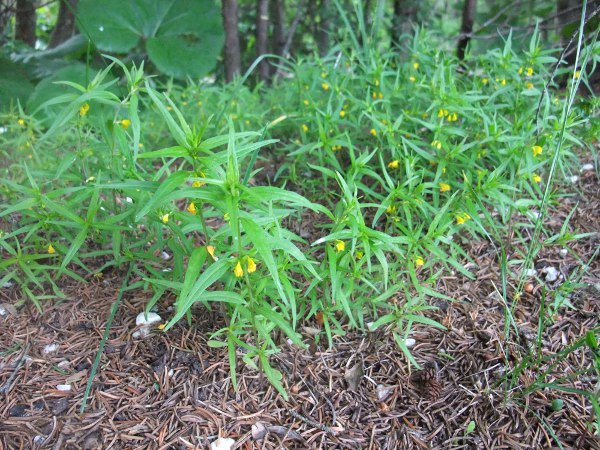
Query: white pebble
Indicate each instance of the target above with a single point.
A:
(141, 319)
(39, 439)
(222, 444)
(165, 256)
(3, 311)
(128, 200)
(50, 348)
(64, 387)
(587, 167)
(410, 342)
(551, 274)
(530, 272)
(563, 251)
(573, 179)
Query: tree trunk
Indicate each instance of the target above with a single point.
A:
(65, 23)
(278, 27)
(262, 26)
(25, 22)
(322, 35)
(468, 18)
(233, 58)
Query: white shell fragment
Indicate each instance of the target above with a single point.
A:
(222, 444)
(587, 167)
(165, 256)
(573, 179)
(563, 251)
(141, 319)
(383, 392)
(410, 342)
(63, 387)
(50, 348)
(551, 274)
(530, 272)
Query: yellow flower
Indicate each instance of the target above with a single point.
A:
(21, 122)
(192, 208)
(340, 246)
(415, 65)
(125, 123)
(529, 85)
(165, 218)
(376, 82)
(323, 74)
(444, 187)
(306, 102)
(453, 117)
(359, 254)
(84, 109)
(536, 178)
(412, 78)
(503, 82)
(536, 150)
(51, 249)
(520, 70)
(391, 209)
(441, 113)
(373, 132)
(577, 74)
(437, 144)
(419, 261)
(485, 81)
(529, 71)
(380, 95)
(238, 271)
(393, 164)
(342, 113)
(251, 265)
(162, 326)
(462, 218)
(325, 86)
(211, 251)
(304, 128)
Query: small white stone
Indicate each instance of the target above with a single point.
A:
(8, 284)
(39, 439)
(222, 444)
(128, 200)
(551, 274)
(64, 387)
(171, 373)
(165, 256)
(587, 167)
(530, 272)
(410, 342)
(534, 214)
(50, 348)
(3, 130)
(573, 179)
(141, 319)
(563, 251)
(3, 311)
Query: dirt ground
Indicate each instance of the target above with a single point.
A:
(171, 391)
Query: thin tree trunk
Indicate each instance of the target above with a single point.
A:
(233, 57)
(468, 18)
(367, 14)
(322, 35)
(278, 27)
(65, 23)
(25, 22)
(262, 26)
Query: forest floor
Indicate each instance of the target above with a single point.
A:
(172, 391)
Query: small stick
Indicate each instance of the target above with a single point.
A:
(312, 423)
(8, 385)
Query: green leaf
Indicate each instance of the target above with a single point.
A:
(166, 187)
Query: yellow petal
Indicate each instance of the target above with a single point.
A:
(165, 218)
(51, 249)
(251, 265)
(340, 246)
(192, 208)
(238, 271)
(125, 123)
(211, 251)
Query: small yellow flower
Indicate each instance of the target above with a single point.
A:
(415, 65)
(391, 209)
(412, 78)
(359, 254)
(251, 265)
(393, 164)
(419, 261)
(444, 187)
(125, 123)
(520, 71)
(342, 113)
(323, 74)
(536, 178)
(529, 71)
(437, 144)
(21, 122)
(304, 128)
(165, 218)
(441, 113)
(238, 271)
(211, 251)
(376, 82)
(453, 117)
(84, 109)
(536, 150)
(485, 81)
(462, 218)
(162, 326)
(380, 95)
(306, 103)
(503, 82)
(577, 74)
(325, 86)
(340, 246)
(373, 132)
(192, 208)
(51, 249)
(529, 85)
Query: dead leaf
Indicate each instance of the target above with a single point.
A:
(354, 375)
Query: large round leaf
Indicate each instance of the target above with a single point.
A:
(182, 37)
(14, 84)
